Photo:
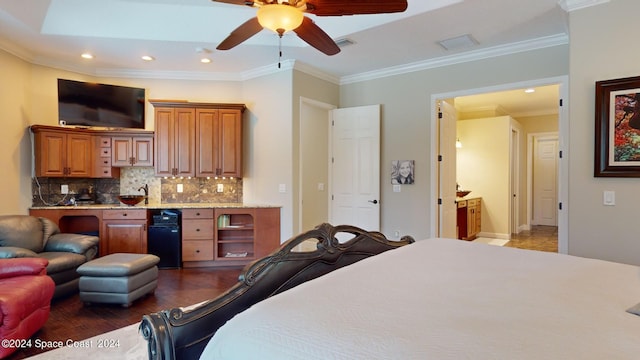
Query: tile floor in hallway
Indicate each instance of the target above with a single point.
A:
(542, 238)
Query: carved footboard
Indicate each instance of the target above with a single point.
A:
(183, 333)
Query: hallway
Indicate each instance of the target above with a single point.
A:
(540, 237)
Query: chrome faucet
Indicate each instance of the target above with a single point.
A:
(146, 193)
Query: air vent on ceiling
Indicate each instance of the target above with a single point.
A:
(458, 42)
(344, 42)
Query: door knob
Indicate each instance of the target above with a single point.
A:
(373, 201)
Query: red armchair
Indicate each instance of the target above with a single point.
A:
(25, 298)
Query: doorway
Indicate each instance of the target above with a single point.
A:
(339, 165)
(562, 172)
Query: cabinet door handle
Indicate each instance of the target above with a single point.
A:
(125, 214)
(197, 251)
(197, 230)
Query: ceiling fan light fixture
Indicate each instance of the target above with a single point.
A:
(280, 18)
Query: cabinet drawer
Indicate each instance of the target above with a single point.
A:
(197, 213)
(462, 204)
(105, 141)
(197, 229)
(105, 152)
(473, 202)
(103, 171)
(197, 250)
(139, 214)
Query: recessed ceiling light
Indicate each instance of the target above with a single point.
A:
(530, 90)
(148, 58)
(87, 56)
(205, 60)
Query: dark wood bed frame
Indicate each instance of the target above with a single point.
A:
(177, 334)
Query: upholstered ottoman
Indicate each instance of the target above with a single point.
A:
(118, 278)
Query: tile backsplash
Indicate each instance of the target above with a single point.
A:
(47, 191)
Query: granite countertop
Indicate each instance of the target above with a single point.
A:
(152, 206)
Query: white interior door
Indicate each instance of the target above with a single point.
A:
(447, 170)
(545, 187)
(355, 170)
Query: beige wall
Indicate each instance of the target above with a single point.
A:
(406, 118)
(15, 117)
(600, 50)
(482, 166)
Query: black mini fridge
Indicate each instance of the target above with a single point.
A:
(165, 241)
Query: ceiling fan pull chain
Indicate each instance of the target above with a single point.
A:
(279, 48)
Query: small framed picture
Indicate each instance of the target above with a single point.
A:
(402, 172)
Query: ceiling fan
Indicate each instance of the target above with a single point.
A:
(286, 15)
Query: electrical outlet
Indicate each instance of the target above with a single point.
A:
(220, 188)
(179, 188)
(64, 189)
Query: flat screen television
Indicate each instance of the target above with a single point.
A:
(100, 105)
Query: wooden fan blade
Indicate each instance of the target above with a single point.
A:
(354, 7)
(316, 37)
(235, 2)
(240, 34)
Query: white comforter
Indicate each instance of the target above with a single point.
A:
(446, 299)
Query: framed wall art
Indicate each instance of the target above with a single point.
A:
(617, 142)
(402, 172)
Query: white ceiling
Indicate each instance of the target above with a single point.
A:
(119, 32)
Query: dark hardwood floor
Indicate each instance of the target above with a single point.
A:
(71, 319)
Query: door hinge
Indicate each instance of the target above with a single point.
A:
(333, 123)
(440, 115)
(332, 160)
(560, 154)
(559, 206)
(560, 102)
(439, 157)
(439, 201)
(331, 196)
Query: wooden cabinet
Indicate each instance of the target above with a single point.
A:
(132, 151)
(197, 235)
(219, 142)
(228, 236)
(175, 141)
(124, 231)
(102, 158)
(469, 218)
(207, 241)
(89, 153)
(198, 139)
(63, 154)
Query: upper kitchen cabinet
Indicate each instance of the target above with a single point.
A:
(62, 153)
(198, 139)
(219, 142)
(175, 140)
(134, 150)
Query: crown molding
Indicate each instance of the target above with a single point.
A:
(533, 44)
(571, 5)
(549, 41)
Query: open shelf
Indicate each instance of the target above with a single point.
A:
(235, 235)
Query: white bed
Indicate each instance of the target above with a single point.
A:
(446, 299)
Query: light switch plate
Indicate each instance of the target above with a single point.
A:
(609, 198)
(179, 188)
(220, 188)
